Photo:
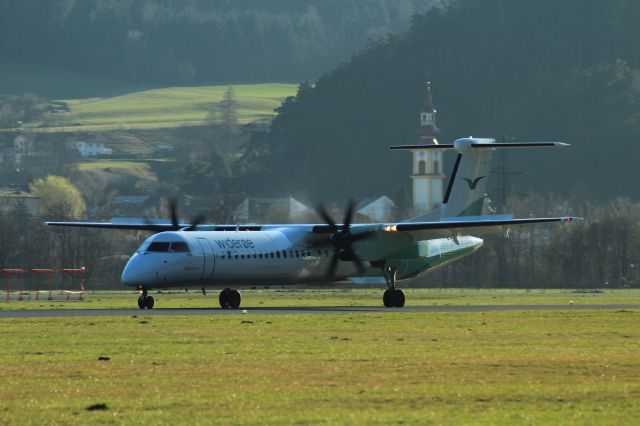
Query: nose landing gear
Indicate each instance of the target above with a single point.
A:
(145, 301)
(229, 298)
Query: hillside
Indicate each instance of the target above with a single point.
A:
(167, 107)
(167, 43)
(543, 70)
(171, 107)
(56, 83)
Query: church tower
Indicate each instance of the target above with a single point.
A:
(427, 176)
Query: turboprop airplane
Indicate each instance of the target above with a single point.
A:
(183, 255)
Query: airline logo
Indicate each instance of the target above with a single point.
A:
(473, 182)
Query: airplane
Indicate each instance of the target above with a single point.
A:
(227, 257)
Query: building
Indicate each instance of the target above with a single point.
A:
(271, 210)
(427, 176)
(10, 199)
(90, 149)
(381, 209)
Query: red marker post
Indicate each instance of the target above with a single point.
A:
(11, 274)
(40, 274)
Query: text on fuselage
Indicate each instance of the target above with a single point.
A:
(235, 244)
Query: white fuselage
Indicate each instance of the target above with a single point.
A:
(227, 257)
(249, 258)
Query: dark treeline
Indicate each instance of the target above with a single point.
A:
(28, 243)
(195, 41)
(601, 252)
(538, 70)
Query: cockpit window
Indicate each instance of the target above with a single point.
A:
(179, 247)
(159, 246)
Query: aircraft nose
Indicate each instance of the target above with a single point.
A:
(132, 275)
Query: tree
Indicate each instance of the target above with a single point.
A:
(228, 118)
(59, 197)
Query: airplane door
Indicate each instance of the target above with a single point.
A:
(208, 258)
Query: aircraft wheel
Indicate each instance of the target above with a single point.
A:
(224, 299)
(398, 298)
(387, 299)
(145, 302)
(234, 299)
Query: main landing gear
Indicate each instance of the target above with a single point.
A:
(145, 301)
(393, 297)
(230, 298)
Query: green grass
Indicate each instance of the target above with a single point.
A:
(336, 297)
(176, 106)
(98, 104)
(551, 367)
(140, 169)
(169, 107)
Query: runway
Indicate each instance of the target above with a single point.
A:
(48, 313)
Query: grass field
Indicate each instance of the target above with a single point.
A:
(547, 367)
(337, 297)
(167, 108)
(174, 106)
(98, 104)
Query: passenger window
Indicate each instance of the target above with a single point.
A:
(284, 253)
(297, 253)
(278, 255)
(272, 255)
(159, 247)
(229, 254)
(179, 247)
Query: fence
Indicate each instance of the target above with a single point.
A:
(30, 284)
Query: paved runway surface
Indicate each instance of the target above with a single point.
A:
(293, 310)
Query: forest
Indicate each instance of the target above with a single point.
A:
(156, 42)
(545, 70)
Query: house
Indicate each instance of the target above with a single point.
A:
(89, 149)
(381, 209)
(11, 198)
(271, 210)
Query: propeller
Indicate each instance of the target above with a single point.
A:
(342, 239)
(175, 223)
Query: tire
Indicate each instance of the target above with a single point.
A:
(141, 303)
(224, 299)
(234, 299)
(398, 298)
(150, 302)
(387, 299)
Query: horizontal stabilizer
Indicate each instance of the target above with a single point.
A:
(459, 144)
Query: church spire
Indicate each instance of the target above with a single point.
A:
(428, 129)
(427, 177)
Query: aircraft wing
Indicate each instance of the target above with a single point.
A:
(139, 225)
(444, 229)
(416, 230)
(419, 231)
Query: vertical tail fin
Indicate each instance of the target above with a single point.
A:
(466, 191)
(467, 186)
